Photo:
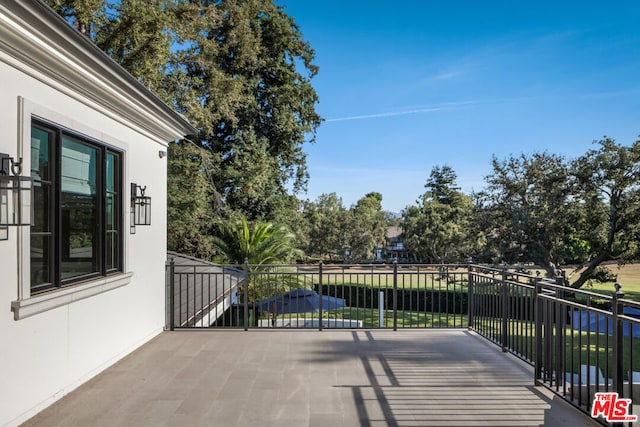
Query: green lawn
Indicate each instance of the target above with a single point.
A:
(406, 319)
(581, 347)
(429, 278)
(276, 283)
(425, 279)
(629, 278)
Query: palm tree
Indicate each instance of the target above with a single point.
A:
(262, 243)
(259, 245)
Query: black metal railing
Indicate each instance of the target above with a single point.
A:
(503, 308)
(578, 342)
(199, 295)
(586, 343)
(316, 296)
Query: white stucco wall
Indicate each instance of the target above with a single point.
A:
(44, 356)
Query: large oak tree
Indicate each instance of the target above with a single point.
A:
(608, 181)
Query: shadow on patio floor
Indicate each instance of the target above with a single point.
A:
(310, 378)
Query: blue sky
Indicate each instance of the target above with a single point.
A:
(408, 85)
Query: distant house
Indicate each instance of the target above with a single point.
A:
(394, 245)
(83, 285)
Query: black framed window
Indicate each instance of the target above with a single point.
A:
(77, 229)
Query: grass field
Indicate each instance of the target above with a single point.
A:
(426, 278)
(381, 276)
(406, 319)
(581, 347)
(628, 277)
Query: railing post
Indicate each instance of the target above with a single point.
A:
(560, 321)
(537, 309)
(245, 302)
(320, 300)
(172, 293)
(618, 336)
(395, 294)
(505, 311)
(470, 302)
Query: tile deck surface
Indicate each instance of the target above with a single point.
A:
(310, 378)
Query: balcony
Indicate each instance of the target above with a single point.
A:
(310, 378)
(432, 345)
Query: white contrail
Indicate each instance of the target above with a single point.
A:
(441, 108)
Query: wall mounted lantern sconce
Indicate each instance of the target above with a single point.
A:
(15, 195)
(140, 207)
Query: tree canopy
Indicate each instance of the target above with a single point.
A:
(243, 76)
(366, 228)
(336, 232)
(326, 221)
(535, 210)
(437, 228)
(608, 180)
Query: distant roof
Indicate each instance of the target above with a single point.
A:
(394, 232)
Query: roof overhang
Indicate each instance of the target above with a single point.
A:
(39, 42)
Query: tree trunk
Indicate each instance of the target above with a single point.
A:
(587, 273)
(544, 260)
(606, 253)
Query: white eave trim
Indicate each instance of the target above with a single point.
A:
(37, 41)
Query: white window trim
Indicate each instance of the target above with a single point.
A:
(64, 296)
(27, 305)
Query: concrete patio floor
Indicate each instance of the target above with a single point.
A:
(309, 378)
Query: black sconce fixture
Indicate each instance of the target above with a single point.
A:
(15, 195)
(140, 207)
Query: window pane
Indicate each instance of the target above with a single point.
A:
(111, 208)
(112, 212)
(40, 149)
(41, 207)
(79, 222)
(112, 251)
(42, 236)
(110, 171)
(40, 261)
